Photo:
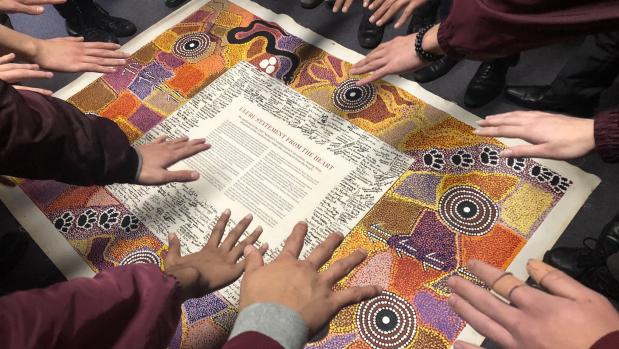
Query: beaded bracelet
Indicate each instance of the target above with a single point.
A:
(426, 56)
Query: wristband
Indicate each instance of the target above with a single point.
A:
(426, 56)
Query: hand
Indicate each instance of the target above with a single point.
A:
(215, 266)
(72, 55)
(388, 8)
(160, 154)
(28, 7)
(393, 57)
(15, 72)
(297, 284)
(555, 136)
(572, 316)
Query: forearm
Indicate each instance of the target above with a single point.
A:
(487, 29)
(135, 306)
(43, 137)
(24, 46)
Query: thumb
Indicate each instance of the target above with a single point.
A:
(30, 10)
(179, 176)
(354, 295)
(174, 246)
(253, 259)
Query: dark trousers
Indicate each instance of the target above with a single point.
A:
(70, 10)
(432, 8)
(591, 69)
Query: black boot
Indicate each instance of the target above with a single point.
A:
(100, 18)
(435, 70)
(310, 4)
(78, 27)
(544, 98)
(488, 81)
(13, 246)
(601, 280)
(5, 20)
(418, 23)
(369, 34)
(173, 3)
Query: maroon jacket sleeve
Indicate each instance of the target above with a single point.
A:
(606, 133)
(253, 340)
(610, 341)
(43, 137)
(487, 29)
(133, 306)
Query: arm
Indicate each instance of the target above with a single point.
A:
(606, 133)
(42, 137)
(137, 306)
(487, 29)
(607, 342)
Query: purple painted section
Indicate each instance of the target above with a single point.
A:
(200, 308)
(97, 251)
(150, 76)
(44, 192)
(178, 337)
(419, 186)
(171, 61)
(123, 76)
(144, 118)
(437, 313)
(335, 342)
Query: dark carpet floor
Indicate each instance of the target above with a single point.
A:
(536, 67)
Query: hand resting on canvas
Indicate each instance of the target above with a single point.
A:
(297, 284)
(217, 265)
(570, 316)
(553, 136)
(160, 154)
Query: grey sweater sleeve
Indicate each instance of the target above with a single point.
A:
(276, 321)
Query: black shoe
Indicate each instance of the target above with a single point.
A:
(544, 98)
(435, 70)
(173, 3)
(575, 261)
(602, 281)
(369, 34)
(89, 32)
(310, 4)
(5, 20)
(13, 246)
(608, 241)
(100, 18)
(488, 81)
(418, 23)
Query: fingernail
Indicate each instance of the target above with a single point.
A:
(335, 9)
(171, 236)
(117, 45)
(457, 346)
(489, 117)
(372, 19)
(451, 281)
(259, 228)
(344, 9)
(40, 9)
(247, 250)
(195, 175)
(451, 301)
(475, 132)
(340, 234)
(127, 55)
(478, 122)
(364, 251)
(505, 153)
(379, 23)
(249, 216)
(265, 245)
(397, 25)
(227, 211)
(303, 222)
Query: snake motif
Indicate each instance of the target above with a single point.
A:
(270, 44)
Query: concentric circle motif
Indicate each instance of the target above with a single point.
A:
(141, 256)
(349, 97)
(191, 45)
(468, 210)
(387, 321)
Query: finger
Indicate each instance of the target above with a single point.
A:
(218, 230)
(43, 2)
(342, 267)
(528, 151)
(186, 143)
(237, 251)
(33, 89)
(102, 53)
(484, 301)
(408, 12)
(106, 62)
(501, 282)
(236, 232)
(7, 181)
(253, 259)
(337, 5)
(264, 248)
(7, 58)
(91, 67)
(383, 10)
(509, 119)
(72, 39)
(165, 176)
(179, 140)
(323, 252)
(387, 16)
(17, 66)
(347, 5)
(188, 151)
(159, 139)
(354, 295)
(379, 74)
(503, 131)
(465, 345)
(21, 74)
(480, 322)
(102, 45)
(556, 281)
(294, 242)
(374, 5)
(174, 247)
(372, 66)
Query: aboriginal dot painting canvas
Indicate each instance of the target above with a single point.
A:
(459, 200)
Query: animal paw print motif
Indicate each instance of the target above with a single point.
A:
(87, 219)
(129, 223)
(268, 65)
(108, 218)
(516, 164)
(434, 159)
(559, 183)
(489, 157)
(64, 222)
(542, 174)
(462, 159)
